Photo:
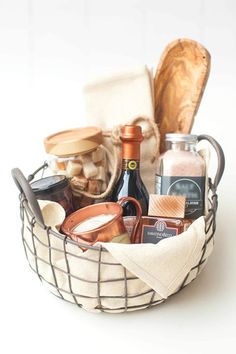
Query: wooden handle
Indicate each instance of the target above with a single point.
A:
(179, 84)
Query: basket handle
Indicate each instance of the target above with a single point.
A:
(220, 158)
(25, 188)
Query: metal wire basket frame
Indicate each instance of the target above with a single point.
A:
(31, 216)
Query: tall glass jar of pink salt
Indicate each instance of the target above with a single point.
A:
(181, 171)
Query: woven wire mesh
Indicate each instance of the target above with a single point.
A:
(43, 252)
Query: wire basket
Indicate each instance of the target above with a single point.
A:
(108, 286)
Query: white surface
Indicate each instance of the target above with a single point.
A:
(48, 48)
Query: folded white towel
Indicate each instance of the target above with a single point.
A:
(165, 265)
(119, 98)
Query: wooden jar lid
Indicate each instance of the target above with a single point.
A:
(73, 142)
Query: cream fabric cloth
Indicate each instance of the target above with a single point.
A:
(53, 215)
(152, 271)
(163, 266)
(120, 99)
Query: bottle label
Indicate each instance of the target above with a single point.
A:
(157, 232)
(130, 165)
(191, 187)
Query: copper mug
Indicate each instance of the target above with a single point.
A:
(106, 232)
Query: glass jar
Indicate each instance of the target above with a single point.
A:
(79, 155)
(181, 171)
(55, 188)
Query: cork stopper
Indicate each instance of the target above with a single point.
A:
(169, 206)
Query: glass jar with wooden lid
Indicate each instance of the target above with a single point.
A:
(79, 155)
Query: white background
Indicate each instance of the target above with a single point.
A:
(48, 49)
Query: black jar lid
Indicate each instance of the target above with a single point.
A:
(49, 184)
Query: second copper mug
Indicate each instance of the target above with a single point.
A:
(106, 232)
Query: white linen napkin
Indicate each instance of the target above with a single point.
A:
(165, 265)
(119, 98)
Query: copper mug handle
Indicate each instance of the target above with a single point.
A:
(138, 214)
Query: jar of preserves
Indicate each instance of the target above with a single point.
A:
(181, 171)
(55, 188)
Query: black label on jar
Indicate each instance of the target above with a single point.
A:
(193, 188)
(157, 232)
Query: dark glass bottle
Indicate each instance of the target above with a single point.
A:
(130, 182)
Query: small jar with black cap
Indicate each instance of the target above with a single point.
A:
(55, 188)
